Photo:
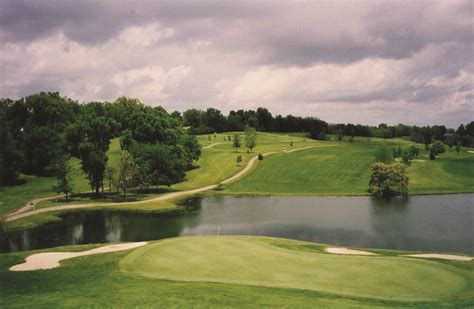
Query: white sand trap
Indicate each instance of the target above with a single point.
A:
(50, 260)
(418, 160)
(451, 257)
(470, 151)
(347, 251)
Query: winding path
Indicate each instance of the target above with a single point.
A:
(212, 145)
(22, 213)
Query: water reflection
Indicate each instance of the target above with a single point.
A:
(436, 223)
(113, 225)
(77, 234)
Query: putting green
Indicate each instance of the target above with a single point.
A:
(257, 261)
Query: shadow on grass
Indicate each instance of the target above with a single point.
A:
(114, 197)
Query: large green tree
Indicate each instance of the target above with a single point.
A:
(39, 127)
(63, 176)
(89, 137)
(10, 156)
(159, 164)
(214, 119)
(127, 172)
(193, 117)
(94, 163)
(388, 180)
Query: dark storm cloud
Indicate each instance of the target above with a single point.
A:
(280, 33)
(308, 56)
(97, 21)
(390, 29)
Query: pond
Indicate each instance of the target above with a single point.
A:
(441, 223)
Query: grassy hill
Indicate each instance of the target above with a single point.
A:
(344, 169)
(219, 162)
(237, 272)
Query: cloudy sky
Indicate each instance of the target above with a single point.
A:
(343, 61)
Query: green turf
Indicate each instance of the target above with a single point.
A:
(449, 173)
(250, 261)
(344, 169)
(99, 281)
(14, 197)
(219, 162)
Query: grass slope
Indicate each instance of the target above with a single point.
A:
(345, 169)
(99, 280)
(14, 197)
(219, 162)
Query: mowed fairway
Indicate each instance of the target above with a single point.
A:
(344, 169)
(219, 162)
(449, 173)
(266, 262)
(334, 170)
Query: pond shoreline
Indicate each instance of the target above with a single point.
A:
(174, 206)
(397, 215)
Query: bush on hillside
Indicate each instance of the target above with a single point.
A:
(388, 180)
(438, 147)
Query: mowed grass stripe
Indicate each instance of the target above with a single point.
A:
(344, 169)
(321, 171)
(254, 261)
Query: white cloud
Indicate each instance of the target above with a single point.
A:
(145, 36)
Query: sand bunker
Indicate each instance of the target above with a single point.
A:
(470, 151)
(50, 260)
(451, 257)
(347, 251)
(419, 160)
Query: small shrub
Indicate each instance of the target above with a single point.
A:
(414, 151)
(407, 157)
(220, 186)
(260, 156)
(438, 147)
(383, 155)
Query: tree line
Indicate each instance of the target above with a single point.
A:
(213, 120)
(39, 133)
